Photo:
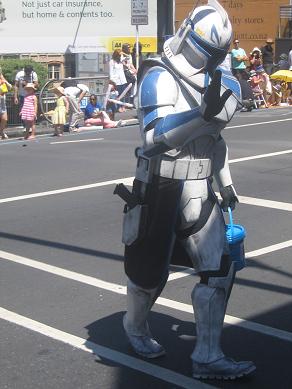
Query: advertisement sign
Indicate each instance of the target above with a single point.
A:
(50, 26)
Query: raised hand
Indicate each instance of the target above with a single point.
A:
(213, 101)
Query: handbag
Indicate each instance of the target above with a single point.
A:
(129, 76)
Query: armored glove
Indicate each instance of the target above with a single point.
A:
(213, 102)
(229, 198)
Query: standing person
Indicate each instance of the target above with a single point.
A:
(129, 70)
(29, 110)
(74, 95)
(4, 88)
(22, 78)
(268, 56)
(172, 199)
(255, 59)
(62, 108)
(117, 74)
(290, 59)
(111, 107)
(238, 59)
(134, 59)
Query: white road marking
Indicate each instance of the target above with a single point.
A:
(115, 288)
(104, 352)
(269, 249)
(265, 203)
(126, 181)
(250, 255)
(260, 156)
(75, 141)
(129, 181)
(258, 124)
(180, 274)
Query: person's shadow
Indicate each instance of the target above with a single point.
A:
(175, 335)
(178, 338)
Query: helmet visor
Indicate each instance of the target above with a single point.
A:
(213, 54)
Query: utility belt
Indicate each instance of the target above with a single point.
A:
(183, 169)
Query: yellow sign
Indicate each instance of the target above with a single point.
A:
(149, 44)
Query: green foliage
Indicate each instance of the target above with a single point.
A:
(11, 66)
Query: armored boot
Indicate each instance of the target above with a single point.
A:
(140, 302)
(208, 358)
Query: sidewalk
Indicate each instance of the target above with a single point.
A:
(130, 116)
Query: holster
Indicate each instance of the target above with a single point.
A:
(134, 224)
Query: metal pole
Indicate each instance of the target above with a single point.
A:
(173, 17)
(137, 47)
(81, 15)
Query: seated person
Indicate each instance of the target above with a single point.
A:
(94, 116)
(286, 92)
(246, 93)
(276, 96)
(283, 63)
(256, 82)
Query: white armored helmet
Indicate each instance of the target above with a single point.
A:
(202, 41)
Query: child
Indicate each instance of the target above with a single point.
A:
(4, 87)
(62, 108)
(29, 111)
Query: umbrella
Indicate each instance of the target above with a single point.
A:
(283, 75)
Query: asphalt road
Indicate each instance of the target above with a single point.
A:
(62, 284)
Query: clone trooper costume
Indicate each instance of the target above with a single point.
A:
(184, 101)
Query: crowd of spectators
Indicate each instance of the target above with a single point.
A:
(69, 95)
(254, 71)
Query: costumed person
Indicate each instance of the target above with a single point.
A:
(184, 101)
(60, 112)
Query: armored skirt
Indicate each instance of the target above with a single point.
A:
(184, 226)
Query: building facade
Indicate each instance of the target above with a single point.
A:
(253, 21)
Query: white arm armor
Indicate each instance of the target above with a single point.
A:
(221, 165)
(162, 127)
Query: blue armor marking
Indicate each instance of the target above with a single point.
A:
(149, 115)
(230, 82)
(175, 120)
(149, 87)
(154, 83)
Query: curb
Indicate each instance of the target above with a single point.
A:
(18, 131)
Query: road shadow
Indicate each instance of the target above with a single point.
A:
(178, 338)
(62, 246)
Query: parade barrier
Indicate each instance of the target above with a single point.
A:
(96, 85)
